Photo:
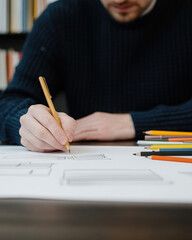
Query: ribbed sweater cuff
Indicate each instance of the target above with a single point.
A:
(144, 121)
(159, 118)
(13, 126)
(172, 118)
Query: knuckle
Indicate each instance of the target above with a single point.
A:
(31, 108)
(47, 122)
(22, 119)
(57, 132)
(97, 114)
(34, 108)
(41, 134)
(20, 131)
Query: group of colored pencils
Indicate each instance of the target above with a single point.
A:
(167, 145)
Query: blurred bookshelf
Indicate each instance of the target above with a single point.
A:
(16, 20)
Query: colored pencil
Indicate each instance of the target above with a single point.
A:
(153, 147)
(158, 139)
(171, 133)
(172, 159)
(165, 153)
(145, 143)
(173, 149)
(180, 139)
(163, 137)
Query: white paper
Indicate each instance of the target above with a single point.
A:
(93, 173)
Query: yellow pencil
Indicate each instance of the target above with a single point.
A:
(169, 133)
(154, 147)
(50, 104)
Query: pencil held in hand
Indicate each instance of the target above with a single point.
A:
(50, 104)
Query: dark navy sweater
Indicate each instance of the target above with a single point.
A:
(143, 67)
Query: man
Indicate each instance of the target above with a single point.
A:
(125, 66)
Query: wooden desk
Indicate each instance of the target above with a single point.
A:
(44, 219)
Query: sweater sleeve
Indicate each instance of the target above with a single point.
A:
(172, 118)
(40, 57)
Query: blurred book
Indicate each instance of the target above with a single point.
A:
(8, 62)
(4, 16)
(16, 15)
(3, 69)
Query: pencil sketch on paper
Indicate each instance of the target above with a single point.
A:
(186, 173)
(111, 177)
(25, 169)
(29, 157)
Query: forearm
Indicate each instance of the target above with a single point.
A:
(24, 89)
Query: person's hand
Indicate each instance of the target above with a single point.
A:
(105, 127)
(40, 131)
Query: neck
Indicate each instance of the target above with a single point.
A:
(149, 8)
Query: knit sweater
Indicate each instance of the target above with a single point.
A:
(142, 67)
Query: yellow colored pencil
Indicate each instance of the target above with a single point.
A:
(169, 133)
(50, 104)
(154, 147)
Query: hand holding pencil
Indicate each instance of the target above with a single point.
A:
(41, 132)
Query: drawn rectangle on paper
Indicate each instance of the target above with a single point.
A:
(87, 157)
(24, 172)
(92, 157)
(84, 157)
(14, 172)
(111, 177)
(26, 165)
(186, 173)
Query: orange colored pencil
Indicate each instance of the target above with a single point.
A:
(172, 159)
(180, 139)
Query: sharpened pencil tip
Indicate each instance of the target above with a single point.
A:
(134, 153)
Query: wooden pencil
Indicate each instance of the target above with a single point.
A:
(153, 147)
(165, 153)
(163, 137)
(171, 159)
(173, 149)
(50, 104)
(187, 139)
(171, 133)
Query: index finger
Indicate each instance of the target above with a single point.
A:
(44, 117)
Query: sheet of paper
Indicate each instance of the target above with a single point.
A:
(95, 173)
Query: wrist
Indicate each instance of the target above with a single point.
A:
(131, 127)
(127, 127)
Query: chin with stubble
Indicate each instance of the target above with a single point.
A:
(125, 11)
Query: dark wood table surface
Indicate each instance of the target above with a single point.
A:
(27, 219)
